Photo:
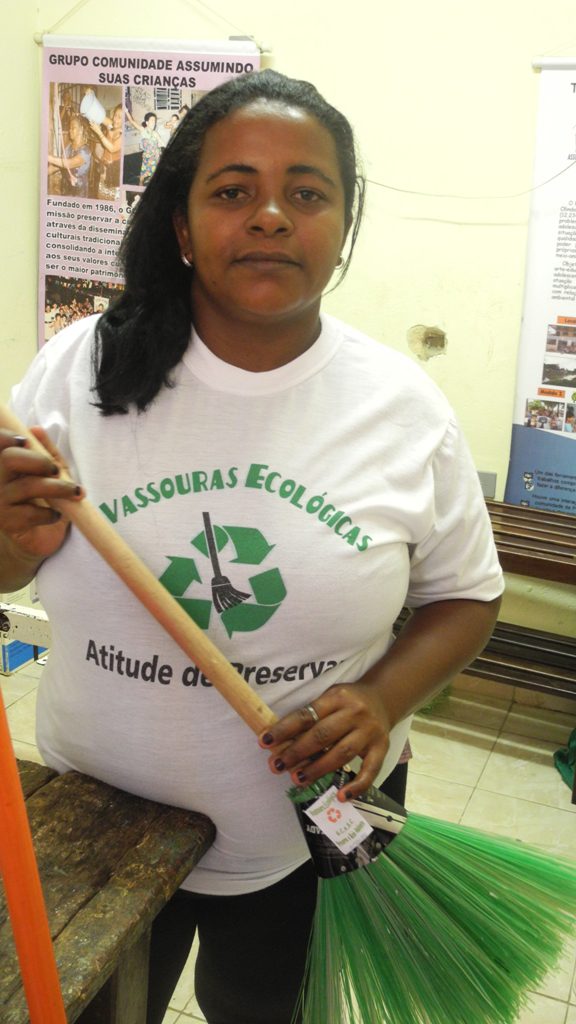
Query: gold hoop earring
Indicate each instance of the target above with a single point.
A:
(186, 261)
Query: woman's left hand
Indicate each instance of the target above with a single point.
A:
(355, 719)
(351, 722)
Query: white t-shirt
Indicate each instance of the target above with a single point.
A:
(337, 488)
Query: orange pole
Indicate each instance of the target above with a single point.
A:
(24, 893)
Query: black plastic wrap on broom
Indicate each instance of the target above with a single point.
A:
(385, 816)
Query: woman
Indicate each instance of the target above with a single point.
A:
(77, 160)
(108, 152)
(150, 144)
(270, 450)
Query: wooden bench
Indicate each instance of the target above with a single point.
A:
(540, 544)
(109, 862)
(529, 658)
(534, 543)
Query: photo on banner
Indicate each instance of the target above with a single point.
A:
(109, 109)
(542, 471)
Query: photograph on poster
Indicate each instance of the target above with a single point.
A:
(570, 421)
(560, 370)
(84, 140)
(108, 150)
(152, 116)
(544, 415)
(561, 338)
(68, 299)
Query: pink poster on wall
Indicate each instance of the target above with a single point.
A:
(109, 109)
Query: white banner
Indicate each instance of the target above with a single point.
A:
(542, 470)
(109, 109)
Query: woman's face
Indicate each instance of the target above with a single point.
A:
(151, 122)
(265, 219)
(117, 118)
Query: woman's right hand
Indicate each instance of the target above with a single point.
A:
(34, 531)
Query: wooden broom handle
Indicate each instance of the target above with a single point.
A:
(144, 585)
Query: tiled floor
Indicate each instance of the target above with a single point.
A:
(479, 759)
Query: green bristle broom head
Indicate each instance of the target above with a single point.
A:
(448, 925)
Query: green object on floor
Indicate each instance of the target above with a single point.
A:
(447, 925)
(565, 760)
(435, 704)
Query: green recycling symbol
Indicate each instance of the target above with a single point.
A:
(240, 611)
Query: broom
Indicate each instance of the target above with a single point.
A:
(426, 922)
(422, 922)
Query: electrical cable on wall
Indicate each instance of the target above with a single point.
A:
(200, 3)
(441, 195)
(188, 3)
(539, 63)
(68, 14)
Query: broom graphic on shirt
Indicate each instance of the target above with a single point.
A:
(418, 921)
(224, 595)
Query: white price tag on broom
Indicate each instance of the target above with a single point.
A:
(342, 823)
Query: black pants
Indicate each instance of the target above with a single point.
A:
(253, 947)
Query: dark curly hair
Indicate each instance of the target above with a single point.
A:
(144, 334)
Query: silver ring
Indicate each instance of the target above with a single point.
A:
(312, 712)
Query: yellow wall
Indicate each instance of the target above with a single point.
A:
(443, 99)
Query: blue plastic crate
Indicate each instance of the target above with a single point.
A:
(14, 655)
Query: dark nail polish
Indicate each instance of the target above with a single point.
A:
(301, 776)
(267, 738)
(19, 441)
(279, 764)
(349, 796)
(77, 491)
(55, 470)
